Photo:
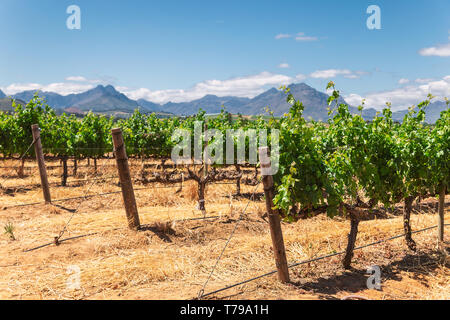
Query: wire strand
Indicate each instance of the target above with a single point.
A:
(200, 293)
(312, 260)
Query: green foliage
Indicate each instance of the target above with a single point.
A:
(320, 164)
(330, 163)
(9, 230)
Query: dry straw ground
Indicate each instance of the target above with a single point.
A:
(171, 259)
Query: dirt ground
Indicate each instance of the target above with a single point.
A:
(171, 257)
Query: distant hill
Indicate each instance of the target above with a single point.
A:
(54, 100)
(2, 95)
(107, 100)
(149, 106)
(315, 102)
(209, 103)
(6, 104)
(102, 99)
(432, 112)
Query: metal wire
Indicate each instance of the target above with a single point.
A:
(56, 183)
(85, 197)
(201, 292)
(23, 155)
(94, 233)
(78, 207)
(311, 260)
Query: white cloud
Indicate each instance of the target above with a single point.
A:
(404, 97)
(423, 80)
(403, 81)
(332, 73)
(76, 79)
(249, 86)
(302, 37)
(442, 50)
(298, 37)
(72, 84)
(282, 36)
(300, 77)
(63, 88)
(283, 65)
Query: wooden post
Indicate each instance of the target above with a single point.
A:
(274, 218)
(41, 162)
(125, 179)
(441, 214)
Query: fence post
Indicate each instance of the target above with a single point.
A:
(274, 218)
(41, 162)
(441, 214)
(125, 179)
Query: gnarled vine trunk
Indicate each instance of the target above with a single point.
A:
(354, 222)
(201, 180)
(201, 195)
(406, 223)
(238, 181)
(75, 167)
(21, 170)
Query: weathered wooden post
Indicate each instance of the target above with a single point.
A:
(41, 162)
(274, 217)
(441, 214)
(125, 179)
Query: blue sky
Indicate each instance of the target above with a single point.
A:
(182, 50)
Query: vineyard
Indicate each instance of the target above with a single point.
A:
(346, 190)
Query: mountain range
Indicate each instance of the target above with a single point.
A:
(432, 112)
(107, 100)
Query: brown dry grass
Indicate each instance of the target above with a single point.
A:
(171, 258)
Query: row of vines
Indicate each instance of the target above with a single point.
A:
(334, 165)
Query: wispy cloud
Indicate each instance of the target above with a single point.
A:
(72, 84)
(63, 88)
(282, 36)
(76, 78)
(332, 73)
(403, 81)
(302, 37)
(300, 77)
(440, 50)
(248, 86)
(283, 65)
(404, 97)
(423, 80)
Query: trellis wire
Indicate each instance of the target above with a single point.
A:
(295, 264)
